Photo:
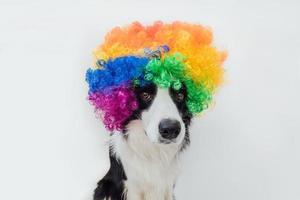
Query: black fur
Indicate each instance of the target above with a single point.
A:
(151, 89)
(184, 112)
(112, 184)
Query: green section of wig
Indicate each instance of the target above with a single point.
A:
(171, 72)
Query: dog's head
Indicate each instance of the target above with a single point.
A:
(160, 75)
(163, 113)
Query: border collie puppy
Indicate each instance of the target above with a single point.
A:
(147, 84)
(144, 160)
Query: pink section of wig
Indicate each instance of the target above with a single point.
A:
(115, 106)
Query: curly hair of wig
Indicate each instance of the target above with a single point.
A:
(168, 55)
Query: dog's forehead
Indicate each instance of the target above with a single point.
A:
(163, 96)
(163, 105)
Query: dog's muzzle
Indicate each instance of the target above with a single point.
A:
(169, 128)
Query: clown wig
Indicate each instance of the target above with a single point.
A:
(168, 55)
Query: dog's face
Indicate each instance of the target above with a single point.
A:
(163, 113)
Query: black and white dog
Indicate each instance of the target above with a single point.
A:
(144, 161)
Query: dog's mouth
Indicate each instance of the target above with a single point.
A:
(162, 140)
(166, 141)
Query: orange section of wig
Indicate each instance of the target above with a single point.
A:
(203, 60)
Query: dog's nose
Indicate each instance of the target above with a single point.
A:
(169, 128)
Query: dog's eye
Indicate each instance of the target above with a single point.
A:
(146, 96)
(179, 97)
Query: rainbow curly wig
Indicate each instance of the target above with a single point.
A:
(168, 55)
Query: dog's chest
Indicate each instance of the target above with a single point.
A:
(149, 170)
(149, 183)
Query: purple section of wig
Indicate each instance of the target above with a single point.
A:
(116, 105)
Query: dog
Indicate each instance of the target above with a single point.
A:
(145, 159)
(147, 102)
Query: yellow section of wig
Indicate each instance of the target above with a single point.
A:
(203, 61)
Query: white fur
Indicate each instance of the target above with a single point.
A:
(151, 167)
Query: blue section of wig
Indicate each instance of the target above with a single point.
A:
(116, 72)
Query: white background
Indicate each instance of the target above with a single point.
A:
(52, 147)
